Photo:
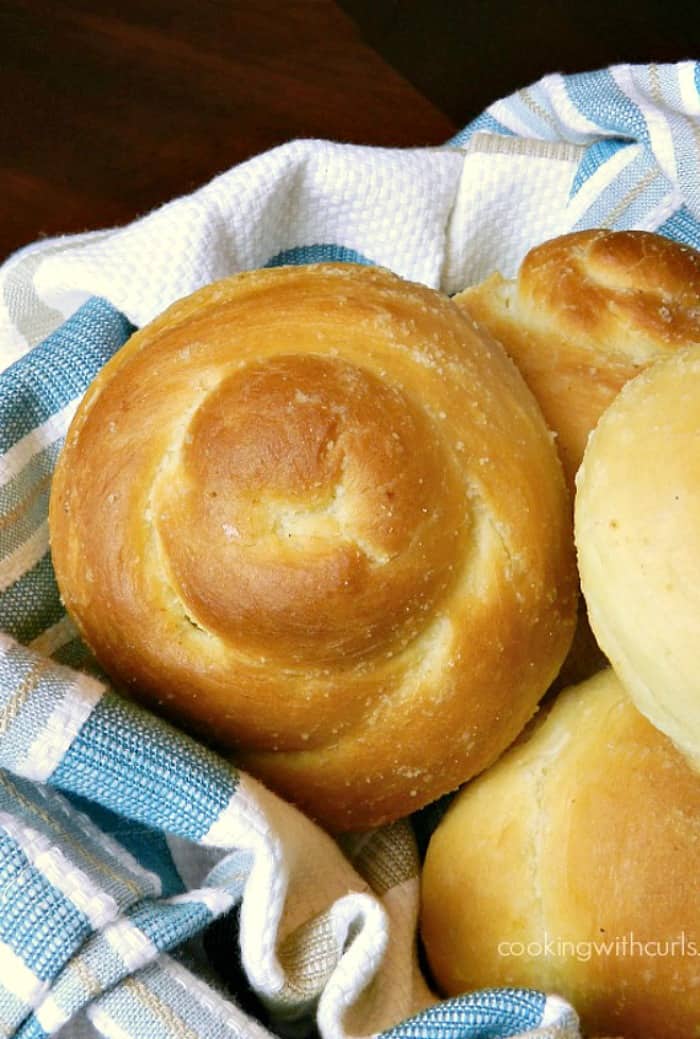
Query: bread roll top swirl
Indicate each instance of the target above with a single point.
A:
(631, 294)
(304, 476)
(587, 312)
(312, 514)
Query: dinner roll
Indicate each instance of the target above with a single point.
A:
(310, 513)
(587, 312)
(573, 866)
(638, 537)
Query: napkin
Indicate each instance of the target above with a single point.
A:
(148, 888)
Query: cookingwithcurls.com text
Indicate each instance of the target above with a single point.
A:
(614, 946)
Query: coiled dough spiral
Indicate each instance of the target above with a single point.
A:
(311, 514)
(587, 312)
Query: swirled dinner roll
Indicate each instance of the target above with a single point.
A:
(587, 312)
(573, 866)
(314, 516)
(637, 525)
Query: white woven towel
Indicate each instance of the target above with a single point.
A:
(617, 148)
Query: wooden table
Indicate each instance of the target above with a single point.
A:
(464, 54)
(111, 109)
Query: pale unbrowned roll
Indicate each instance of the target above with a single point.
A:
(314, 516)
(573, 866)
(587, 312)
(638, 538)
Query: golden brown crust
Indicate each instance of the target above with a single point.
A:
(587, 833)
(589, 311)
(313, 515)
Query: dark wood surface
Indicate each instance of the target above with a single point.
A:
(464, 54)
(111, 109)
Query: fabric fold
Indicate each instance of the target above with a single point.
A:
(95, 924)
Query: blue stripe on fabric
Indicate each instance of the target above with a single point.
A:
(12, 1009)
(231, 872)
(22, 522)
(32, 604)
(148, 845)
(165, 925)
(168, 925)
(24, 498)
(59, 369)
(137, 1017)
(19, 486)
(19, 670)
(141, 768)
(16, 665)
(46, 812)
(534, 111)
(682, 225)
(202, 1020)
(96, 960)
(31, 1029)
(38, 922)
(485, 123)
(30, 691)
(607, 209)
(662, 79)
(598, 97)
(638, 210)
(325, 253)
(489, 1014)
(594, 157)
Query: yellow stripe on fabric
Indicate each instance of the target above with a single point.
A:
(307, 956)
(389, 857)
(629, 198)
(102, 867)
(13, 515)
(177, 1028)
(21, 694)
(87, 981)
(529, 101)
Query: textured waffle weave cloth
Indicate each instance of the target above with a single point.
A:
(121, 840)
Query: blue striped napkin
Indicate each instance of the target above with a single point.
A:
(122, 840)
